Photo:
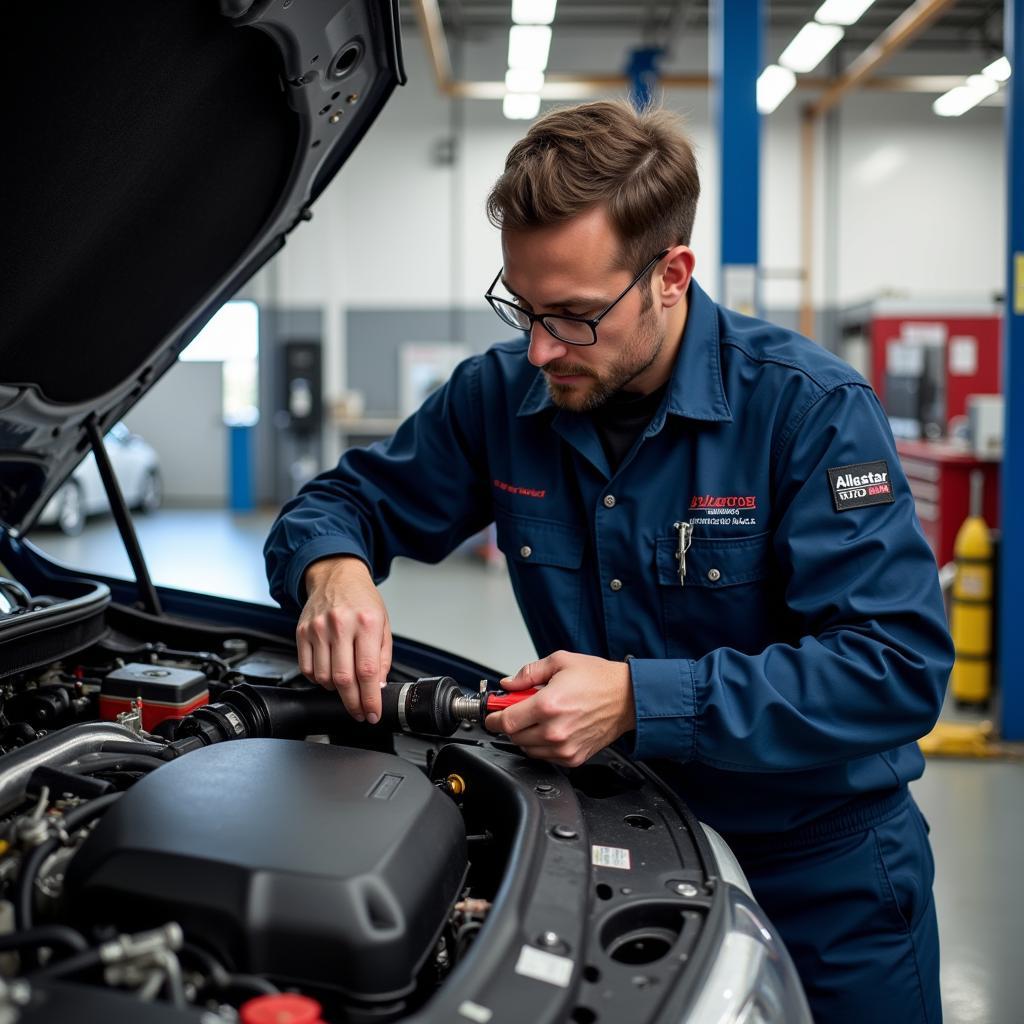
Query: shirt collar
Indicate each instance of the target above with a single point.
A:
(695, 388)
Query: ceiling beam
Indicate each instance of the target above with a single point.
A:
(587, 86)
(910, 24)
(428, 15)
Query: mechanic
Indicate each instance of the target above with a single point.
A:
(709, 536)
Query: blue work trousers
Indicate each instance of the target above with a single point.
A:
(855, 909)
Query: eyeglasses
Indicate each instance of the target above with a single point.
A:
(573, 330)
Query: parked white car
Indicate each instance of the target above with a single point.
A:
(137, 468)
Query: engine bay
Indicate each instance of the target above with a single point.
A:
(189, 826)
(332, 868)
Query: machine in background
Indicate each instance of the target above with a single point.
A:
(925, 358)
(937, 369)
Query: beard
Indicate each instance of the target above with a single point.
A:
(633, 358)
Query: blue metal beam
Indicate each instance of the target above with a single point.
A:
(735, 58)
(642, 72)
(1011, 557)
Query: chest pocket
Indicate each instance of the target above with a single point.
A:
(544, 558)
(725, 601)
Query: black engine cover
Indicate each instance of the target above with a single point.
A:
(54, 1002)
(300, 861)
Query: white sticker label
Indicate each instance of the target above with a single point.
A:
(963, 356)
(924, 333)
(475, 1012)
(536, 963)
(610, 857)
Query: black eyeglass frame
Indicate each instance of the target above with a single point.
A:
(497, 303)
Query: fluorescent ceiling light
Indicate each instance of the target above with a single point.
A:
(956, 102)
(524, 80)
(528, 46)
(982, 85)
(998, 70)
(773, 85)
(961, 99)
(520, 106)
(841, 12)
(810, 46)
(533, 12)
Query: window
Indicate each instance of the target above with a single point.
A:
(232, 338)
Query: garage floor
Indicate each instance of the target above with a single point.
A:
(976, 809)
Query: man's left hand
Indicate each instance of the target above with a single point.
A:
(585, 703)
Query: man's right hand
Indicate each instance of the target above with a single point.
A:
(343, 635)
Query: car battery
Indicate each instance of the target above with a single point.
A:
(163, 692)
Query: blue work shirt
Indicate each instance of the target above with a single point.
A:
(806, 649)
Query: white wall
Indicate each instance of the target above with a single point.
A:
(920, 203)
(181, 417)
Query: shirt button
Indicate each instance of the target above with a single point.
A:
(526, 551)
(714, 575)
(609, 501)
(615, 584)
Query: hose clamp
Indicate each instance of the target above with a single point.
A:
(403, 695)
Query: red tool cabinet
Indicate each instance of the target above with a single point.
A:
(940, 480)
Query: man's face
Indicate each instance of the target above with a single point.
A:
(570, 268)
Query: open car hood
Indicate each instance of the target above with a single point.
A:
(159, 154)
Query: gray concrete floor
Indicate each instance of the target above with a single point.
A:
(975, 808)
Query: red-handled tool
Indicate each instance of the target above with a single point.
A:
(436, 705)
(498, 700)
(467, 708)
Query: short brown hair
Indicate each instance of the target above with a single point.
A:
(640, 164)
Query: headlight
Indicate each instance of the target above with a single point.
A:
(752, 979)
(729, 869)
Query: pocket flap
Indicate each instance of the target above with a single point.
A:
(531, 541)
(715, 561)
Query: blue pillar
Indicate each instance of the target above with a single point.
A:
(735, 61)
(1011, 557)
(240, 471)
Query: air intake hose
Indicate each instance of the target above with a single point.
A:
(246, 711)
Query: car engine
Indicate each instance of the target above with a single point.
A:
(145, 855)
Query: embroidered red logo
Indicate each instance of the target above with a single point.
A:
(726, 501)
(525, 492)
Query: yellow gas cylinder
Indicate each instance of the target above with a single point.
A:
(971, 607)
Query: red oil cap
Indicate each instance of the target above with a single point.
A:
(286, 1008)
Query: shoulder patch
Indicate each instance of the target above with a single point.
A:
(864, 483)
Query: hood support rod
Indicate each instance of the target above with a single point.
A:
(147, 592)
